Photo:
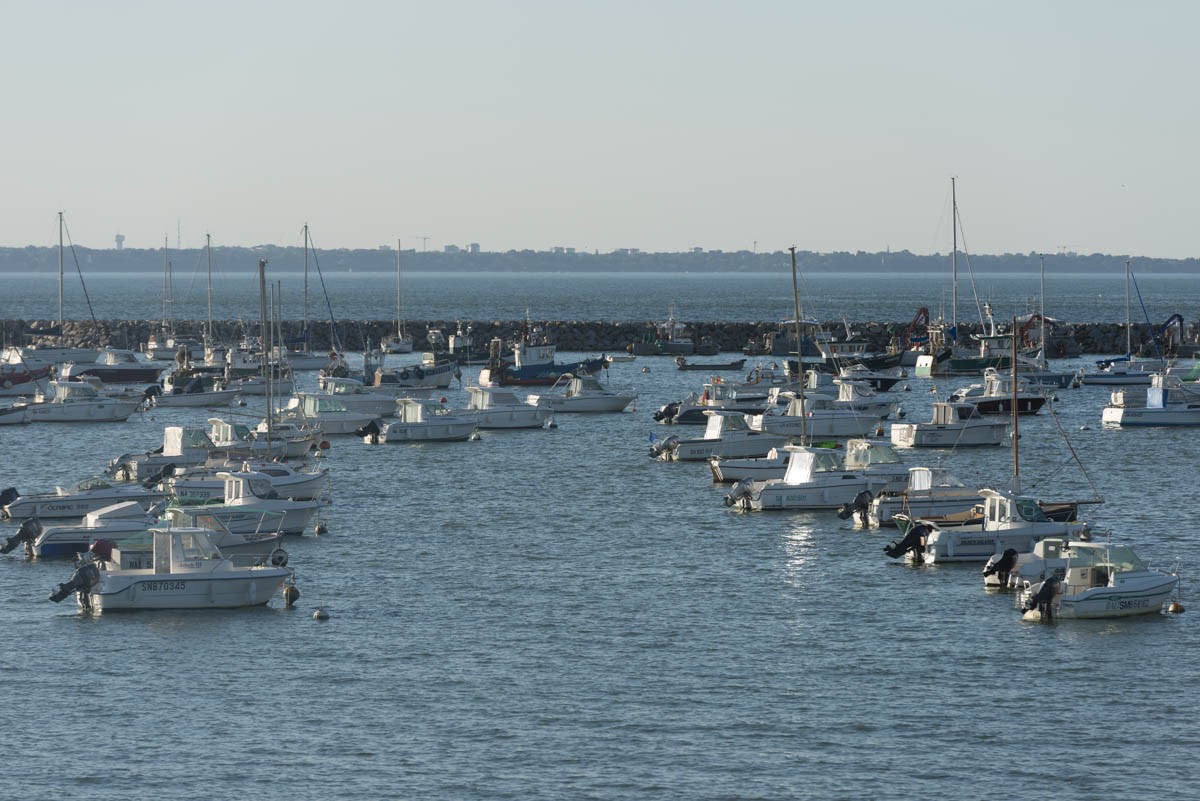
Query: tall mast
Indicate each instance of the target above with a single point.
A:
(266, 341)
(400, 325)
(1128, 319)
(1016, 434)
(305, 325)
(208, 246)
(60, 268)
(954, 259)
(799, 349)
(1042, 305)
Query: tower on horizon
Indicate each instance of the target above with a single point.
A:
(120, 241)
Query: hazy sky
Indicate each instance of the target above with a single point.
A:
(657, 125)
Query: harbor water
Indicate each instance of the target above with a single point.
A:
(551, 614)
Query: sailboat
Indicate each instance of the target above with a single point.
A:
(1123, 370)
(401, 341)
(945, 356)
(1011, 519)
(815, 478)
(33, 357)
(298, 352)
(166, 343)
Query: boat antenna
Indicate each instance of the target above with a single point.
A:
(1128, 319)
(208, 247)
(304, 326)
(1042, 306)
(954, 262)
(266, 343)
(799, 360)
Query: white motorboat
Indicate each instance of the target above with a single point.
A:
(499, 407)
(250, 505)
(717, 395)
(816, 478)
(86, 496)
(877, 459)
(282, 441)
(183, 570)
(324, 412)
(79, 402)
(929, 493)
(1167, 402)
(582, 393)
(422, 421)
(816, 417)
(726, 435)
(204, 482)
(1010, 520)
(1074, 579)
(112, 522)
(398, 380)
(14, 414)
(357, 398)
(953, 425)
(183, 446)
(996, 396)
(757, 468)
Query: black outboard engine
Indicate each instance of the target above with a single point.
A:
(861, 506)
(1041, 597)
(150, 393)
(913, 542)
(371, 431)
(8, 496)
(29, 531)
(167, 471)
(82, 580)
(667, 413)
(1001, 565)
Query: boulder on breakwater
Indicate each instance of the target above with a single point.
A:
(570, 335)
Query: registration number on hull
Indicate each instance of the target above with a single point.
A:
(162, 586)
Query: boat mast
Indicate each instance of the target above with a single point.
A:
(1016, 435)
(954, 260)
(304, 327)
(1042, 306)
(399, 324)
(208, 245)
(60, 268)
(266, 340)
(1128, 319)
(799, 359)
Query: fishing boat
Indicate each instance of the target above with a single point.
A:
(421, 421)
(325, 412)
(358, 398)
(79, 402)
(996, 395)
(114, 521)
(88, 495)
(716, 395)
(726, 435)
(582, 393)
(818, 417)
(931, 493)
(497, 407)
(113, 366)
(205, 482)
(250, 504)
(402, 380)
(1091, 580)
(531, 362)
(815, 478)
(183, 570)
(1167, 402)
(953, 425)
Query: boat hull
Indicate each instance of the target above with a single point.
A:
(916, 435)
(186, 590)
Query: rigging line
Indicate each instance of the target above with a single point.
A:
(82, 283)
(1142, 303)
(335, 340)
(970, 271)
(1074, 455)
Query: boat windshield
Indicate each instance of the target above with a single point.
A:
(188, 546)
(1028, 509)
(1119, 557)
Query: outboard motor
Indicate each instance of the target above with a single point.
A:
(29, 531)
(1041, 597)
(667, 413)
(167, 471)
(149, 394)
(122, 468)
(1001, 566)
(740, 490)
(8, 496)
(82, 580)
(371, 431)
(861, 505)
(912, 542)
(663, 446)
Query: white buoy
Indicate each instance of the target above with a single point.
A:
(1083, 428)
(320, 614)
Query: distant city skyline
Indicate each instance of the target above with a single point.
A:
(662, 126)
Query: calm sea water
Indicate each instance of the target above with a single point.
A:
(734, 297)
(551, 614)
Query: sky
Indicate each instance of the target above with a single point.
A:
(1068, 126)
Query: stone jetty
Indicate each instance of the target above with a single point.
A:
(570, 335)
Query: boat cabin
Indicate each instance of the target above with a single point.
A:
(952, 414)
(245, 486)
(1005, 510)
(926, 479)
(721, 423)
(804, 463)
(491, 397)
(863, 453)
(414, 410)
